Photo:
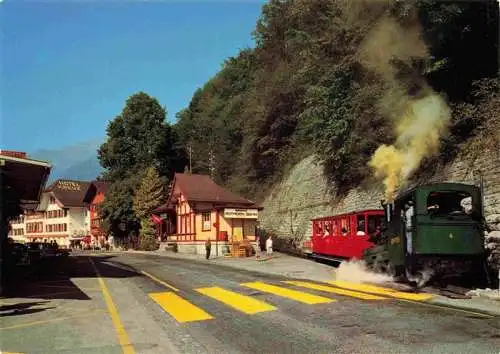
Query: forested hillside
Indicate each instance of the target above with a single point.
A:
(330, 77)
(374, 89)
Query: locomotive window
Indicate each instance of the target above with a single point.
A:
(449, 203)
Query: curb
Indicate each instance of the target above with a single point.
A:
(468, 309)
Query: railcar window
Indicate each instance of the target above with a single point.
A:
(344, 227)
(375, 222)
(449, 203)
(360, 231)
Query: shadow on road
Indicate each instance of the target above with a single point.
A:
(53, 278)
(23, 308)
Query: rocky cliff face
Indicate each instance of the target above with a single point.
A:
(303, 195)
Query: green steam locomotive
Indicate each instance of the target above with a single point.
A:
(432, 232)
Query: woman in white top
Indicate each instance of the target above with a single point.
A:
(269, 246)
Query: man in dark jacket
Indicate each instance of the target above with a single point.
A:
(208, 246)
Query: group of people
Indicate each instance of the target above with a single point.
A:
(269, 247)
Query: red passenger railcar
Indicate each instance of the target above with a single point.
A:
(345, 236)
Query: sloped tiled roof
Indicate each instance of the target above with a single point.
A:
(69, 193)
(94, 188)
(201, 188)
(164, 208)
(101, 186)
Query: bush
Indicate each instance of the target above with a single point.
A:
(148, 243)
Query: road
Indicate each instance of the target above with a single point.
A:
(148, 304)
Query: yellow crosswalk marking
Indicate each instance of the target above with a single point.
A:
(240, 302)
(288, 293)
(380, 290)
(180, 309)
(334, 290)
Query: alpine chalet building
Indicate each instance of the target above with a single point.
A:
(62, 215)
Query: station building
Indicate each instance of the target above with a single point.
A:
(198, 209)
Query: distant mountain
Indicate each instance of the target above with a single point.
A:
(77, 161)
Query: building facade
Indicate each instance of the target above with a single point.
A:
(62, 215)
(204, 210)
(94, 199)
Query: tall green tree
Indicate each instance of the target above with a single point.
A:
(117, 209)
(148, 196)
(138, 138)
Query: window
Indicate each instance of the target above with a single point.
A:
(445, 203)
(344, 226)
(205, 222)
(17, 232)
(34, 227)
(375, 222)
(360, 222)
(318, 228)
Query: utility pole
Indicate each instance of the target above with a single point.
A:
(190, 149)
(211, 163)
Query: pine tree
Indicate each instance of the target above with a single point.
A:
(147, 241)
(147, 197)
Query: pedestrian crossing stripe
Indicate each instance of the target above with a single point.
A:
(180, 309)
(331, 289)
(243, 303)
(184, 311)
(372, 289)
(289, 293)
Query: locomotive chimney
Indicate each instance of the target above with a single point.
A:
(388, 210)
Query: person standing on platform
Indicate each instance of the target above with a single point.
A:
(208, 247)
(257, 247)
(269, 246)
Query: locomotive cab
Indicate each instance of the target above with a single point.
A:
(434, 230)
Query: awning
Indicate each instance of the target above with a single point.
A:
(25, 176)
(164, 208)
(156, 219)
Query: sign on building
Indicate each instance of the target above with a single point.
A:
(241, 213)
(69, 186)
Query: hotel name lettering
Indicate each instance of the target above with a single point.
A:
(241, 213)
(69, 186)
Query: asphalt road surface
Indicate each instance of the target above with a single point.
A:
(148, 304)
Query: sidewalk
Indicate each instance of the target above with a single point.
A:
(305, 269)
(280, 264)
(81, 306)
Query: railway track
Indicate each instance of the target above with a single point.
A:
(452, 292)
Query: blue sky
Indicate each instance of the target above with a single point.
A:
(68, 67)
